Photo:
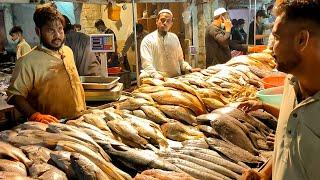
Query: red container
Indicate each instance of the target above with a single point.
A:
(274, 81)
(114, 70)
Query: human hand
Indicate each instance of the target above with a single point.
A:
(270, 140)
(43, 118)
(158, 76)
(251, 174)
(250, 105)
(227, 25)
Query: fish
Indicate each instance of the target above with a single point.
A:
(209, 165)
(233, 152)
(104, 165)
(200, 143)
(148, 130)
(154, 114)
(208, 131)
(167, 175)
(112, 116)
(37, 154)
(78, 134)
(212, 93)
(179, 98)
(180, 132)
(265, 117)
(199, 83)
(140, 113)
(62, 160)
(96, 120)
(138, 159)
(242, 116)
(152, 81)
(144, 96)
(133, 104)
(46, 171)
(259, 72)
(174, 83)
(31, 125)
(152, 89)
(195, 170)
(144, 177)
(212, 103)
(7, 150)
(13, 166)
(213, 159)
(228, 130)
(86, 169)
(179, 113)
(13, 176)
(7, 134)
(126, 130)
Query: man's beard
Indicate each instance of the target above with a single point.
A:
(47, 45)
(288, 66)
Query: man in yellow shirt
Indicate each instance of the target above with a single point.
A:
(22, 46)
(45, 84)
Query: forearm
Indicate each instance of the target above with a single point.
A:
(267, 170)
(271, 109)
(261, 36)
(22, 105)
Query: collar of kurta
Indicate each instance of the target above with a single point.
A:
(295, 83)
(58, 54)
(160, 36)
(21, 42)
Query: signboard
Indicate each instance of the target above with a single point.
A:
(102, 43)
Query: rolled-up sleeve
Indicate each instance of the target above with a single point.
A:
(21, 82)
(147, 58)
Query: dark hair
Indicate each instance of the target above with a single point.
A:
(241, 21)
(139, 27)
(15, 29)
(46, 14)
(99, 22)
(234, 22)
(300, 10)
(261, 13)
(68, 26)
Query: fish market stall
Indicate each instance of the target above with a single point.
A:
(179, 128)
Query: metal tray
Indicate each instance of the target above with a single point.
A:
(98, 82)
(104, 95)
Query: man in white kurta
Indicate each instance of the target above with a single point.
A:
(161, 52)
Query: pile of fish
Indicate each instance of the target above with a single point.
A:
(174, 129)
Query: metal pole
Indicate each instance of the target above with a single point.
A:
(135, 42)
(249, 21)
(255, 22)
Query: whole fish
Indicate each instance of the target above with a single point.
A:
(200, 143)
(96, 120)
(7, 134)
(31, 125)
(140, 113)
(7, 150)
(138, 159)
(152, 89)
(212, 93)
(208, 131)
(152, 81)
(265, 117)
(46, 171)
(212, 103)
(37, 154)
(213, 159)
(180, 99)
(133, 104)
(154, 114)
(104, 165)
(63, 162)
(13, 166)
(86, 169)
(78, 134)
(112, 116)
(205, 172)
(178, 113)
(126, 130)
(148, 130)
(144, 96)
(209, 165)
(174, 83)
(180, 132)
(232, 151)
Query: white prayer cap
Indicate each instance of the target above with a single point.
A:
(165, 11)
(219, 11)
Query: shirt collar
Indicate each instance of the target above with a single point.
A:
(57, 54)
